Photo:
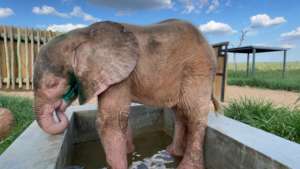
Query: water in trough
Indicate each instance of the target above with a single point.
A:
(149, 153)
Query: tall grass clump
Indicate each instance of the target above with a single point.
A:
(22, 111)
(282, 121)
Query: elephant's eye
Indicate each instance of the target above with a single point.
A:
(51, 83)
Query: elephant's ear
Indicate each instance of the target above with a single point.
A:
(107, 57)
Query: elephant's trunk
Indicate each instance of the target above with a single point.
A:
(45, 116)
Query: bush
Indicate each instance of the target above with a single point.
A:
(22, 111)
(282, 121)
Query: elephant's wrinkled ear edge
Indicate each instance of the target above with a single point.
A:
(82, 96)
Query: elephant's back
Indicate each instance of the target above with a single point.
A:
(170, 29)
(165, 50)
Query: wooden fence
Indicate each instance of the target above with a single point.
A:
(18, 49)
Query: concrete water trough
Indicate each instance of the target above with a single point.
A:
(229, 144)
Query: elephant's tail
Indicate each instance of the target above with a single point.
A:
(216, 103)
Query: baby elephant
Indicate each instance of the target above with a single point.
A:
(6, 122)
(167, 64)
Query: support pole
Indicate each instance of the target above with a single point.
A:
(253, 61)
(284, 64)
(224, 73)
(248, 59)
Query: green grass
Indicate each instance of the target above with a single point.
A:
(268, 75)
(22, 111)
(282, 121)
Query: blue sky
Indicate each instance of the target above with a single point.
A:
(267, 22)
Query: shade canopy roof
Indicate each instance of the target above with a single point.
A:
(258, 49)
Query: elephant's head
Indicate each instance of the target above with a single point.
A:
(84, 63)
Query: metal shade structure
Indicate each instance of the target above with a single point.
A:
(259, 49)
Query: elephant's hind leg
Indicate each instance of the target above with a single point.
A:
(194, 104)
(112, 125)
(178, 144)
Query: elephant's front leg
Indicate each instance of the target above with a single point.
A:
(112, 127)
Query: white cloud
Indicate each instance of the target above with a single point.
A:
(213, 27)
(5, 12)
(64, 27)
(292, 35)
(196, 6)
(130, 5)
(264, 20)
(188, 6)
(213, 6)
(78, 12)
(48, 10)
(203, 3)
(288, 45)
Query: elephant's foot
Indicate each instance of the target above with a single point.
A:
(115, 146)
(175, 150)
(193, 156)
(188, 164)
(115, 149)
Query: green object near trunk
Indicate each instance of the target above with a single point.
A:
(73, 89)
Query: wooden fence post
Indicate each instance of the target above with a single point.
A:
(32, 56)
(44, 38)
(7, 60)
(38, 41)
(1, 68)
(20, 80)
(12, 57)
(26, 60)
(49, 36)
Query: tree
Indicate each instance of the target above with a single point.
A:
(242, 39)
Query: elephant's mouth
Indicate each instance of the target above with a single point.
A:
(59, 107)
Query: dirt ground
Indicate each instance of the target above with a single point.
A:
(278, 97)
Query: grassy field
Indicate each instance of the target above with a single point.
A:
(22, 111)
(268, 75)
(282, 121)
